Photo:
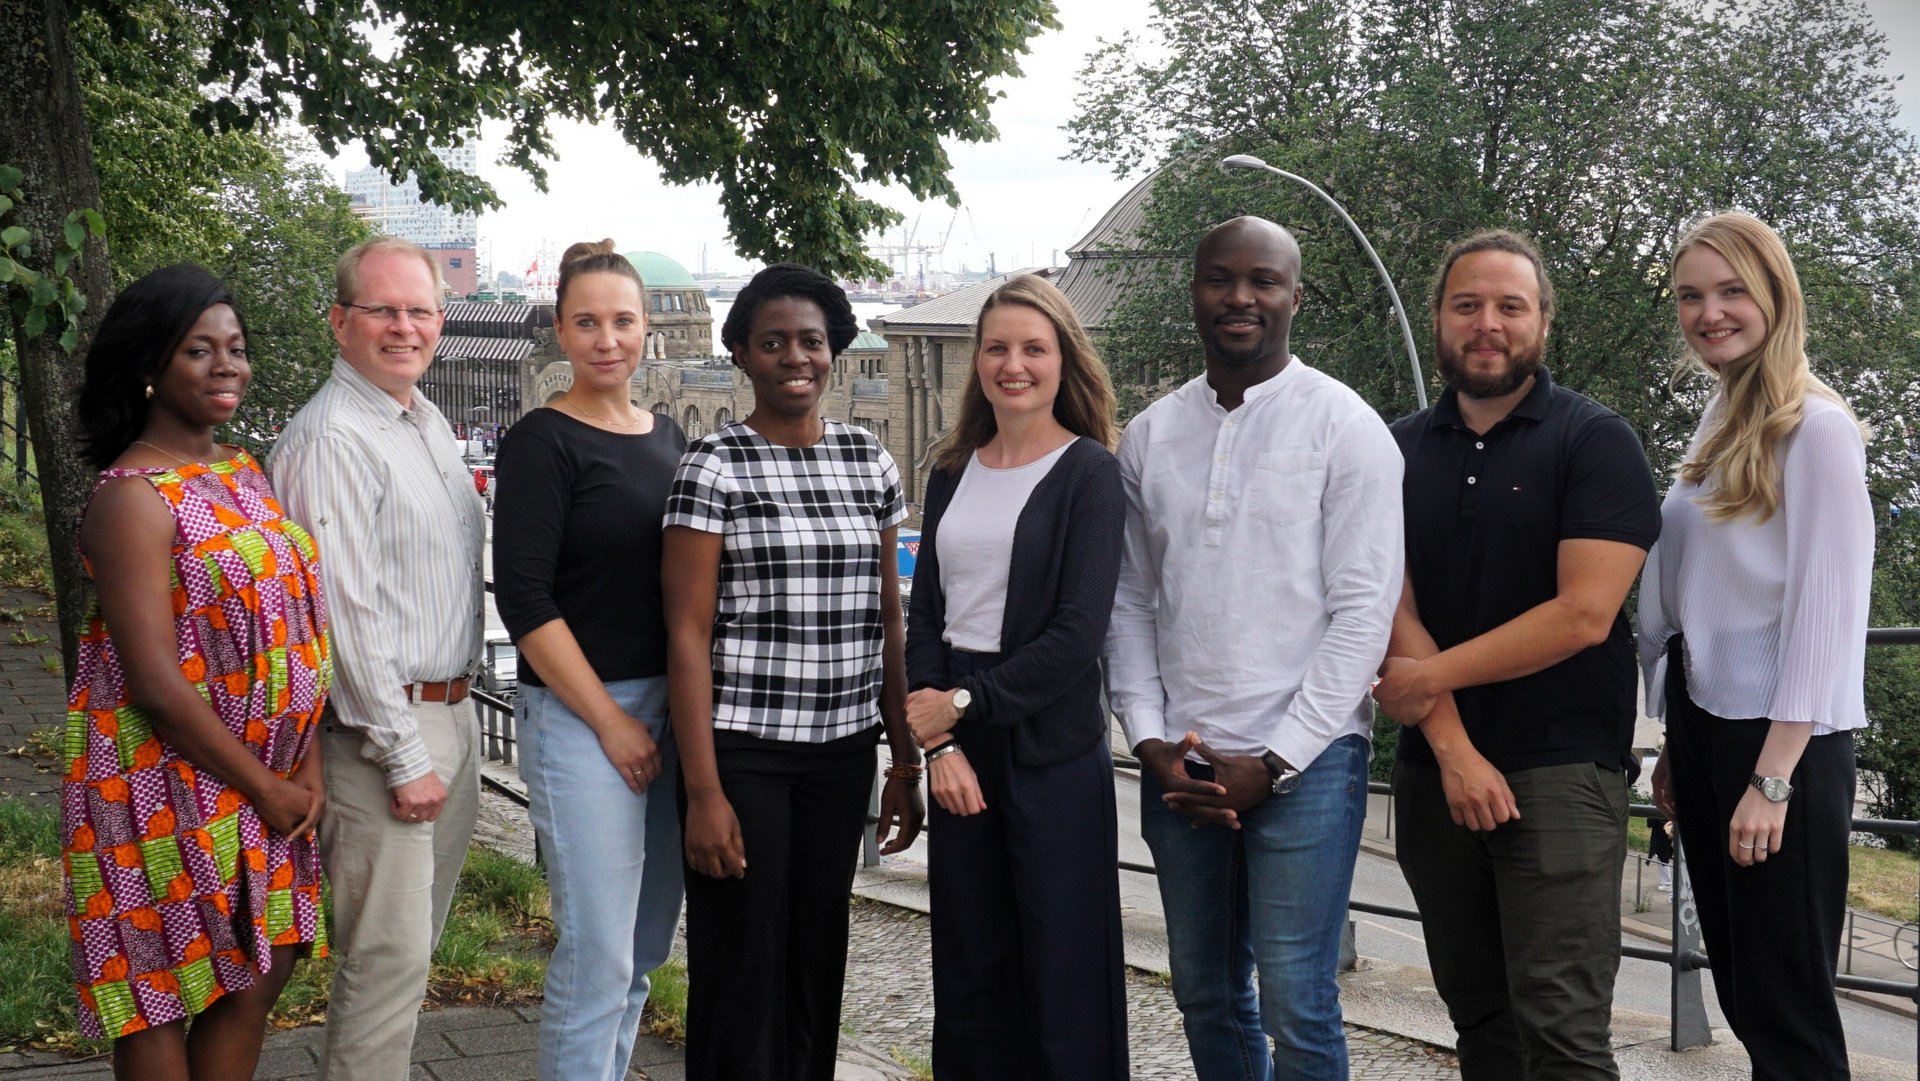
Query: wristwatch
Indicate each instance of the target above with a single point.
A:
(1774, 788)
(962, 698)
(1284, 777)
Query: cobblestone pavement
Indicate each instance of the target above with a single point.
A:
(890, 1004)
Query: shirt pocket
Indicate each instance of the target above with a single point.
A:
(1287, 485)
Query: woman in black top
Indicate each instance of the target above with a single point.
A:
(1003, 649)
(582, 488)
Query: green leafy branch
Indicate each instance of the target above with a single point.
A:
(44, 302)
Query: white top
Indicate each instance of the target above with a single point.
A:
(400, 529)
(1774, 612)
(976, 545)
(1261, 567)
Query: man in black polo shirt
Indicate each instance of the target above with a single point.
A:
(1529, 510)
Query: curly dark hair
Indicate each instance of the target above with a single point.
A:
(134, 344)
(790, 280)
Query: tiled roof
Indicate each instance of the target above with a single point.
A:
(959, 308)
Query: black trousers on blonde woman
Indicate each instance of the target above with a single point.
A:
(1772, 930)
(1028, 968)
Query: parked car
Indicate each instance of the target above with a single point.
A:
(500, 666)
(483, 480)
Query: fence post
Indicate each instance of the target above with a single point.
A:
(1687, 1010)
(19, 438)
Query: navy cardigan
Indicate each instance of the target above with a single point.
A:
(1060, 586)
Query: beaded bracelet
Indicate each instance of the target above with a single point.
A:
(904, 773)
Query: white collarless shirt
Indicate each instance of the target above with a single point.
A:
(1261, 568)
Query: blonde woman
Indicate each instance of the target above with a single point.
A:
(577, 563)
(1012, 594)
(1755, 600)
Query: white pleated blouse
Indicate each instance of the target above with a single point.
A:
(1774, 612)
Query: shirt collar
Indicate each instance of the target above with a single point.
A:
(1532, 407)
(361, 391)
(1273, 384)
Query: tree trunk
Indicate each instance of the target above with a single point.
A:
(46, 138)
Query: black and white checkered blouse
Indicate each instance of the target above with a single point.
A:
(796, 627)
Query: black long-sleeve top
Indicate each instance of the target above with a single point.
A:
(1060, 586)
(576, 536)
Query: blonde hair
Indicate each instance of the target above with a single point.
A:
(1085, 405)
(346, 273)
(590, 257)
(1762, 395)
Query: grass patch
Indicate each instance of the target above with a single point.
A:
(498, 935)
(23, 538)
(494, 949)
(666, 1015)
(1885, 882)
(920, 1065)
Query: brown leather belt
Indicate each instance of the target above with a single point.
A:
(450, 691)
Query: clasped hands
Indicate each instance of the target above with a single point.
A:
(1240, 781)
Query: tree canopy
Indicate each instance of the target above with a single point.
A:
(787, 106)
(1599, 127)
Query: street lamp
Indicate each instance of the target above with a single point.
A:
(1248, 161)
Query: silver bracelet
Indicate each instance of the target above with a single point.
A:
(952, 746)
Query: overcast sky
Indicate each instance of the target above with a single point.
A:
(1022, 203)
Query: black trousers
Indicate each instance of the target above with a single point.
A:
(1772, 930)
(767, 953)
(1028, 976)
(1523, 922)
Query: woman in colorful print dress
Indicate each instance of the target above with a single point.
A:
(193, 780)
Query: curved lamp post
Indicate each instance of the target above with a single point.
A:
(1248, 161)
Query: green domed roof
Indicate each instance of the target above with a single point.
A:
(660, 271)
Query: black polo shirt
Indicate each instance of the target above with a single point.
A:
(1485, 515)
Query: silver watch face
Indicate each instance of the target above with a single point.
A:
(1286, 782)
(1775, 789)
(962, 698)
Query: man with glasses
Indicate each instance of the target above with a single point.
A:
(370, 468)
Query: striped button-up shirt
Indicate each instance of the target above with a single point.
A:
(383, 490)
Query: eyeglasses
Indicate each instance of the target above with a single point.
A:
(387, 313)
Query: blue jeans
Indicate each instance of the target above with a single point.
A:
(614, 870)
(1270, 896)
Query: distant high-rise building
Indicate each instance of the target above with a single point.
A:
(396, 209)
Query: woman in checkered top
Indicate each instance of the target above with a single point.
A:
(785, 658)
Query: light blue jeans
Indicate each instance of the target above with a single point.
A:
(1270, 896)
(614, 871)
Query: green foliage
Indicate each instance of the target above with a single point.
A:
(256, 209)
(786, 107)
(43, 301)
(23, 538)
(1601, 128)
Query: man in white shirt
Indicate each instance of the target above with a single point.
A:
(1262, 563)
(370, 468)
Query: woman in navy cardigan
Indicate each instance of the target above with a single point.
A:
(1019, 556)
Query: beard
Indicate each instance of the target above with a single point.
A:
(1522, 362)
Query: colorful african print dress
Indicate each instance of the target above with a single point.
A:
(176, 890)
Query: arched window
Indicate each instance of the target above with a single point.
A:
(722, 418)
(663, 408)
(691, 423)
